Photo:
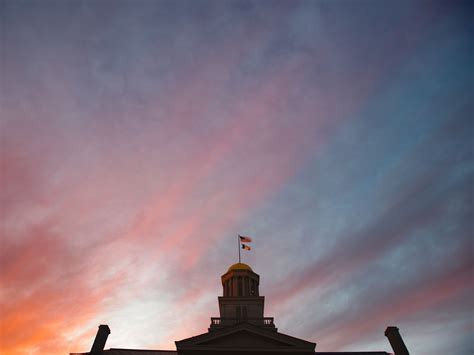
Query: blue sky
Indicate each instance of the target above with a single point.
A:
(139, 138)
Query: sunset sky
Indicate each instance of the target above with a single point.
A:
(138, 138)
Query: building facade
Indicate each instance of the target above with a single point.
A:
(241, 328)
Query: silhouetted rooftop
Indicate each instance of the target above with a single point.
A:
(116, 351)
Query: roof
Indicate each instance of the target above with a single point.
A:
(239, 266)
(245, 337)
(116, 351)
(353, 353)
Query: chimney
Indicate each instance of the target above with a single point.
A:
(100, 339)
(396, 341)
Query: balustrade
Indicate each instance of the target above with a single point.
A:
(266, 321)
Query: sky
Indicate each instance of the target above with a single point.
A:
(139, 138)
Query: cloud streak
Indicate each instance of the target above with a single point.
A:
(137, 141)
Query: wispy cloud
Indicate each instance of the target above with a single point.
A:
(137, 140)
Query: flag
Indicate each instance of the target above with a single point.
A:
(246, 247)
(245, 239)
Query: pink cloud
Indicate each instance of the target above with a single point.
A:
(399, 307)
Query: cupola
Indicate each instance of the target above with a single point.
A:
(240, 281)
(241, 301)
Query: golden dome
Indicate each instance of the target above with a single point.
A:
(240, 266)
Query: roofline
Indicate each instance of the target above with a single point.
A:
(127, 349)
(243, 325)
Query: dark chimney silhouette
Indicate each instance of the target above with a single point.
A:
(100, 339)
(396, 341)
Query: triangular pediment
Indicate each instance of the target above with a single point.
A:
(245, 337)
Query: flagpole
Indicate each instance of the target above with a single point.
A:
(238, 245)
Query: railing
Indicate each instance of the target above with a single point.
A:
(266, 321)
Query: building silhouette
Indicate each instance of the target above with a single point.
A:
(241, 329)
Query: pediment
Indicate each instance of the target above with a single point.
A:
(244, 336)
(243, 339)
